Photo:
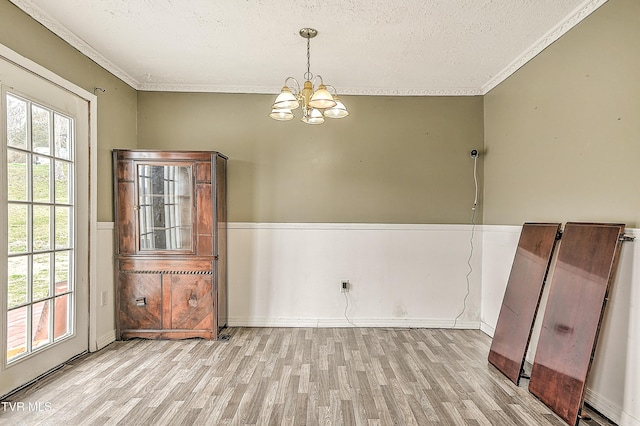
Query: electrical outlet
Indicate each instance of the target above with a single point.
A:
(344, 286)
(103, 298)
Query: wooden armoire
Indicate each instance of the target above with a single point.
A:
(171, 243)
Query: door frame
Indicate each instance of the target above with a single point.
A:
(36, 69)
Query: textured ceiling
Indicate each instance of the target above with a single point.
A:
(400, 47)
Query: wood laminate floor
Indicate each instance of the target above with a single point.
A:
(286, 376)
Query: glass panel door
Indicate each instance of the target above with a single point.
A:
(44, 261)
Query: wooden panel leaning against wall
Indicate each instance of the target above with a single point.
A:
(522, 298)
(170, 251)
(578, 293)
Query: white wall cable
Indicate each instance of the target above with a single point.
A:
(346, 306)
(473, 229)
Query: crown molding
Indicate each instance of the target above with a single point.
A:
(152, 87)
(207, 88)
(455, 91)
(61, 31)
(573, 19)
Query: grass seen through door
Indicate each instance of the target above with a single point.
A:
(42, 217)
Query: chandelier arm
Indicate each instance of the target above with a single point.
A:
(335, 92)
(317, 77)
(297, 87)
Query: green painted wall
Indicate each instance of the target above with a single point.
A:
(393, 160)
(562, 135)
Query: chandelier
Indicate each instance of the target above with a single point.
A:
(316, 103)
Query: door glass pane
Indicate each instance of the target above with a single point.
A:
(62, 272)
(61, 326)
(63, 184)
(41, 275)
(62, 127)
(41, 129)
(16, 122)
(17, 280)
(63, 227)
(40, 330)
(17, 332)
(41, 228)
(17, 175)
(18, 235)
(41, 179)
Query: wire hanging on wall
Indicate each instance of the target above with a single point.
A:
(474, 154)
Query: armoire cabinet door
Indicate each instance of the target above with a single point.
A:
(140, 301)
(191, 302)
(165, 207)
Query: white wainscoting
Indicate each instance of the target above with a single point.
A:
(399, 275)
(105, 297)
(613, 387)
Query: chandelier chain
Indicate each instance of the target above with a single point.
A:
(308, 75)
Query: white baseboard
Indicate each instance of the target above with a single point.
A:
(357, 322)
(106, 339)
(487, 329)
(603, 406)
(628, 420)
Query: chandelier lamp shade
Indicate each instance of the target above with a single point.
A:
(317, 103)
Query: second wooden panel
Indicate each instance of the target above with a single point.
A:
(582, 276)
